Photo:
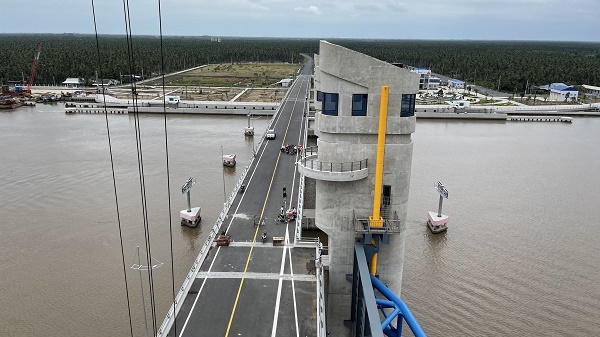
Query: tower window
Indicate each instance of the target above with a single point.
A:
(359, 105)
(330, 104)
(407, 107)
(386, 195)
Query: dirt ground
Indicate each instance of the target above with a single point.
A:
(219, 94)
(233, 75)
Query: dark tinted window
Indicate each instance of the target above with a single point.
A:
(359, 105)
(330, 104)
(407, 108)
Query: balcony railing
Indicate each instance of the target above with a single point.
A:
(323, 170)
(385, 226)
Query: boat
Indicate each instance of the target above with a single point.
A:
(7, 102)
(229, 160)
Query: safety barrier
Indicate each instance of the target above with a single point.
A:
(377, 226)
(321, 314)
(300, 208)
(326, 166)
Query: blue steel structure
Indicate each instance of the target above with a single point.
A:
(365, 303)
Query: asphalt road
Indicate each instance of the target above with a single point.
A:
(252, 288)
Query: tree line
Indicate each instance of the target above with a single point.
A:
(511, 66)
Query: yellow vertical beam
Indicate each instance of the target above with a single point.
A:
(380, 154)
(375, 220)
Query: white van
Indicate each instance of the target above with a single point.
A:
(270, 134)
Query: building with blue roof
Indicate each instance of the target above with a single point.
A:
(561, 92)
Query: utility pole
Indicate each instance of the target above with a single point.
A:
(224, 195)
(499, 78)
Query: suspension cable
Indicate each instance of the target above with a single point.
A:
(112, 167)
(162, 70)
(140, 159)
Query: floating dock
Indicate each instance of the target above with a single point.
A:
(95, 110)
(540, 119)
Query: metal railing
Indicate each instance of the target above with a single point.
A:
(189, 280)
(321, 314)
(372, 315)
(377, 226)
(324, 166)
(300, 206)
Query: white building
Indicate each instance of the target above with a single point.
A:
(285, 82)
(427, 81)
(561, 92)
(106, 82)
(457, 84)
(592, 90)
(72, 82)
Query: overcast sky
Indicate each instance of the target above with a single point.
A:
(565, 20)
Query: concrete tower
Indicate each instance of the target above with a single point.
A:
(348, 88)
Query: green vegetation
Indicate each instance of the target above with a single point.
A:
(73, 55)
(512, 64)
(509, 65)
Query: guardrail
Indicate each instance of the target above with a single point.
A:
(300, 208)
(325, 166)
(377, 226)
(189, 280)
(321, 313)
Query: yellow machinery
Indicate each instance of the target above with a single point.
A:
(375, 220)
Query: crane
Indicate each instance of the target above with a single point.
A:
(36, 58)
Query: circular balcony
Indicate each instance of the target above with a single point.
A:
(311, 167)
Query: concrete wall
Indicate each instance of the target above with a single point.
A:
(346, 138)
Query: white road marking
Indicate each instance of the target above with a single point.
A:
(276, 314)
(287, 240)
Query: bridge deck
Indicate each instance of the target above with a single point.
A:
(252, 288)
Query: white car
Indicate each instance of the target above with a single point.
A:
(270, 134)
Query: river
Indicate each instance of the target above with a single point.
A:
(519, 258)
